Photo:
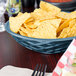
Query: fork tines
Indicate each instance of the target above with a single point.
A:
(39, 70)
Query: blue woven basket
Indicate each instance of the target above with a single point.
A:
(46, 46)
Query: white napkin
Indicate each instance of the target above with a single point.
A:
(15, 71)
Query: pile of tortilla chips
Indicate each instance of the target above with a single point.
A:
(47, 22)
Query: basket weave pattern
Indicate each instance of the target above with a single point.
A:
(46, 46)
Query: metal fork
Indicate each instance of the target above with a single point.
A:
(39, 70)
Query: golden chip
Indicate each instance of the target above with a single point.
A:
(65, 15)
(19, 14)
(16, 22)
(29, 20)
(73, 31)
(28, 31)
(64, 33)
(72, 23)
(62, 15)
(40, 14)
(22, 33)
(64, 25)
(31, 25)
(37, 23)
(24, 25)
(68, 32)
(55, 22)
(45, 30)
(49, 7)
(72, 15)
(62, 21)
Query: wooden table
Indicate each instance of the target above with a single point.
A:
(12, 53)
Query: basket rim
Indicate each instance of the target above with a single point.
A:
(7, 27)
(67, 5)
(60, 2)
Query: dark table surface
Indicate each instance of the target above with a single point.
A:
(12, 53)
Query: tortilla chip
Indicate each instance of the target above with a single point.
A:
(19, 14)
(55, 22)
(22, 33)
(28, 31)
(64, 33)
(45, 30)
(40, 14)
(31, 25)
(62, 21)
(16, 22)
(49, 7)
(62, 15)
(73, 31)
(72, 23)
(64, 25)
(72, 15)
(29, 20)
(68, 32)
(37, 23)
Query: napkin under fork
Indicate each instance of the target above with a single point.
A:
(16, 71)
